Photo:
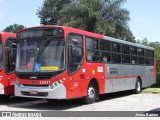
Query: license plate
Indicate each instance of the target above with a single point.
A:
(33, 92)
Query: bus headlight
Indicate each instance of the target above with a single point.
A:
(57, 83)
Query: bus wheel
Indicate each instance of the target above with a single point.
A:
(91, 94)
(138, 86)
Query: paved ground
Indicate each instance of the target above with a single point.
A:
(122, 101)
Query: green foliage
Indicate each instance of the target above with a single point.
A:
(100, 16)
(123, 33)
(49, 13)
(158, 60)
(158, 67)
(106, 17)
(13, 28)
(157, 80)
(145, 42)
(151, 89)
(155, 44)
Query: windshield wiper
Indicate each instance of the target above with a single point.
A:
(43, 46)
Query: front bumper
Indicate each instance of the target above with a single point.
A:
(43, 92)
(1, 89)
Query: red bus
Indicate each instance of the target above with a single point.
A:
(7, 63)
(58, 62)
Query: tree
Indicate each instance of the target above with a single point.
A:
(106, 17)
(13, 28)
(49, 13)
(97, 16)
(122, 33)
(155, 44)
(158, 59)
(145, 42)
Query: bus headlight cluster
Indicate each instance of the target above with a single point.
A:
(17, 83)
(57, 83)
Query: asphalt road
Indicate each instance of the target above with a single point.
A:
(122, 101)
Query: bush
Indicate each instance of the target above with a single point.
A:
(157, 80)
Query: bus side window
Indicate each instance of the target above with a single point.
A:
(141, 56)
(116, 53)
(152, 57)
(134, 57)
(106, 57)
(93, 55)
(105, 47)
(126, 54)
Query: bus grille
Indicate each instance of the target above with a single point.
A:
(35, 85)
(42, 94)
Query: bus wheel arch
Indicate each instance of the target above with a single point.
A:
(92, 92)
(138, 85)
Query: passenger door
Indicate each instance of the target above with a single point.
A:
(75, 58)
(10, 59)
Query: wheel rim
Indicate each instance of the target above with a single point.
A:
(91, 93)
(138, 86)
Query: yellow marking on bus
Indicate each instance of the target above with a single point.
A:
(93, 72)
(49, 68)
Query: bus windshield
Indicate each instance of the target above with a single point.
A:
(41, 54)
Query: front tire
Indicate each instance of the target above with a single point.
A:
(138, 86)
(91, 94)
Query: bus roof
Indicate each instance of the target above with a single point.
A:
(70, 29)
(127, 43)
(6, 35)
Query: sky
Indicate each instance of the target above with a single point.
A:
(144, 15)
(20, 12)
(145, 19)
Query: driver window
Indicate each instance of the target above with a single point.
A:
(75, 52)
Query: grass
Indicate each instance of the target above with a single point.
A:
(152, 89)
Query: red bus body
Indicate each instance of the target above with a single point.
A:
(108, 77)
(6, 77)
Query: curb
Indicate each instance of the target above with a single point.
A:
(153, 92)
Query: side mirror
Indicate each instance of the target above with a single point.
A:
(75, 42)
(14, 45)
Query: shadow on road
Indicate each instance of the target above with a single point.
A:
(14, 100)
(42, 104)
(114, 95)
